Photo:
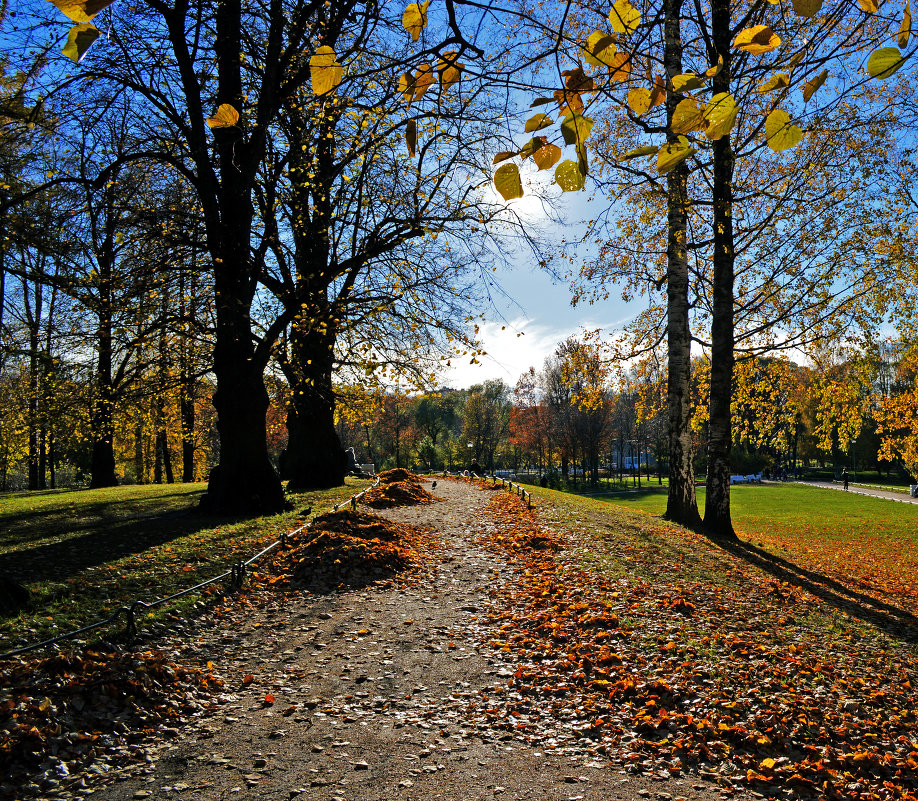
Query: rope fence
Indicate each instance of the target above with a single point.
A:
(235, 575)
(514, 487)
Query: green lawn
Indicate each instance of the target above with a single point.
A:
(85, 553)
(861, 541)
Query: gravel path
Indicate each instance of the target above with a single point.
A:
(370, 688)
(861, 490)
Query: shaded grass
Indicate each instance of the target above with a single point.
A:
(867, 544)
(85, 553)
(855, 552)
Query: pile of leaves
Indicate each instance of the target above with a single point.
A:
(730, 676)
(346, 549)
(62, 713)
(398, 474)
(397, 493)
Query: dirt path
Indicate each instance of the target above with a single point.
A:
(370, 690)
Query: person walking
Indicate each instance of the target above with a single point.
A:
(845, 478)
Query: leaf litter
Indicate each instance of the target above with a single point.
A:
(728, 679)
(728, 675)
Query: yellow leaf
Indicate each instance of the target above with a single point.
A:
(620, 69)
(546, 156)
(576, 128)
(658, 91)
(503, 156)
(411, 136)
(81, 10)
(414, 19)
(719, 116)
(807, 8)
(449, 69)
(325, 71)
(569, 177)
(779, 81)
(687, 82)
(226, 117)
(870, 6)
(624, 17)
(644, 150)
(423, 80)
(687, 117)
(538, 122)
(507, 181)
(576, 80)
(673, 154)
(811, 86)
(780, 134)
(884, 62)
(532, 146)
(905, 29)
(406, 84)
(767, 764)
(599, 49)
(639, 100)
(715, 70)
(79, 40)
(757, 40)
(583, 162)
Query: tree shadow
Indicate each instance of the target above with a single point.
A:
(896, 622)
(70, 516)
(104, 541)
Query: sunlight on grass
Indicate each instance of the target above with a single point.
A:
(84, 554)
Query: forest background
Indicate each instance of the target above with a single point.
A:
(239, 233)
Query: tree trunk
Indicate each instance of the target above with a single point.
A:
(681, 504)
(102, 466)
(244, 482)
(315, 458)
(717, 521)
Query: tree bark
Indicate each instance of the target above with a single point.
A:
(717, 522)
(102, 466)
(244, 482)
(314, 458)
(681, 504)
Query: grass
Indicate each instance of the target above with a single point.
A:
(865, 544)
(85, 553)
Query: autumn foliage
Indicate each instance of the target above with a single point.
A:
(716, 672)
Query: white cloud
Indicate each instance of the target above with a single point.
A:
(512, 348)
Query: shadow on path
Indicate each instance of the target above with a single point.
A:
(895, 622)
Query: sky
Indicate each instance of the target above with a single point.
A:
(542, 314)
(526, 326)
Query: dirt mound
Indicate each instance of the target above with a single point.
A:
(398, 474)
(362, 525)
(401, 493)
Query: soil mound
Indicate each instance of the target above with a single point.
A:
(401, 493)
(398, 474)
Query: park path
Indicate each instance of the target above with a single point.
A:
(372, 690)
(873, 493)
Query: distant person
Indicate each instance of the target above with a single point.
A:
(475, 468)
(543, 480)
(845, 478)
(351, 460)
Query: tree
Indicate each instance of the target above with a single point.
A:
(486, 420)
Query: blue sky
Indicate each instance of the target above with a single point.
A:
(541, 312)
